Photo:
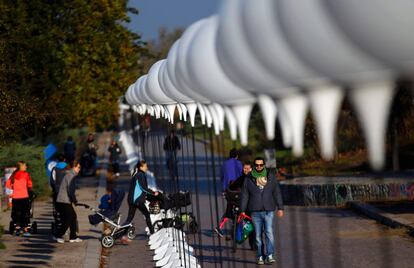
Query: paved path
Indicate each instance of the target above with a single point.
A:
(306, 237)
(40, 250)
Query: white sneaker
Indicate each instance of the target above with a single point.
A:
(60, 240)
(77, 240)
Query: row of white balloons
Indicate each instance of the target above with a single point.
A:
(286, 55)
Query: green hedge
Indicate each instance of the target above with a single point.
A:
(33, 156)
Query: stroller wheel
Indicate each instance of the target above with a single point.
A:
(33, 228)
(131, 232)
(11, 227)
(107, 241)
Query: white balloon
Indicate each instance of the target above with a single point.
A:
(205, 71)
(139, 90)
(296, 107)
(128, 97)
(325, 105)
(382, 28)
(235, 56)
(135, 93)
(192, 110)
(232, 123)
(269, 113)
(372, 103)
(154, 88)
(267, 41)
(168, 87)
(312, 33)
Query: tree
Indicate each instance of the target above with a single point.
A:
(64, 63)
(158, 49)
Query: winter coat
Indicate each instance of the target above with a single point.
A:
(67, 189)
(231, 170)
(20, 182)
(255, 199)
(138, 189)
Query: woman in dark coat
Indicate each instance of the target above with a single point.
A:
(138, 189)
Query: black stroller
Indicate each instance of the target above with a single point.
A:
(31, 225)
(171, 204)
(233, 199)
(113, 218)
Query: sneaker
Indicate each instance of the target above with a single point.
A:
(260, 260)
(76, 240)
(219, 231)
(60, 240)
(270, 259)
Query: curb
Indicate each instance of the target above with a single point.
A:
(93, 249)
(381, 216)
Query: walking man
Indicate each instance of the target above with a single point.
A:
(65, 200)
(171, 145)
(261, 196)
(114, 156)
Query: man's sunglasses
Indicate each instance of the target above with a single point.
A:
(259, 165)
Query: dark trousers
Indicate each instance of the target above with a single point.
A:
(21, 212)
(144, 211)
(68, 218)
(115, 167)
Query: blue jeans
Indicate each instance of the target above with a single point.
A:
(264, 219)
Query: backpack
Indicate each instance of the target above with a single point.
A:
(56, 178)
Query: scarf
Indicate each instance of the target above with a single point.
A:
(261, 177)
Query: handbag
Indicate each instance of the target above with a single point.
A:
(243, 229)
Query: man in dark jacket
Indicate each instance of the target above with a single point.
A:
(69, 149)
(171, 145)
(114, 157)
(261, 196)
(138, 189)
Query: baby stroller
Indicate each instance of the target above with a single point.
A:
(233, 198)
(31, 225)
(113, 218)
(170, 217)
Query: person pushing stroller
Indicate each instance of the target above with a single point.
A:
(138, 190)
(21, 185)
(65, 198)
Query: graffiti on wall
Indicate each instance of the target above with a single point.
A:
(339, 194)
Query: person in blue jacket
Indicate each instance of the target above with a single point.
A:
(231, 170)
(138, 189)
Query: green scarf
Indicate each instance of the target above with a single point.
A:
(257, 174)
